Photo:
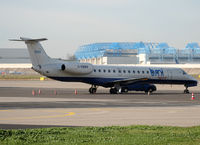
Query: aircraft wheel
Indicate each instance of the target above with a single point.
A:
(149, 91)
(90, 90)
(93, 90)
(186, 91)
(113, 91)
(125, 90)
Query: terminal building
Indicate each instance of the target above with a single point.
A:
(137, 53)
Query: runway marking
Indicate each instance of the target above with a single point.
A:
(40, 117)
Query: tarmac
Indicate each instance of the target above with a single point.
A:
(55, 104)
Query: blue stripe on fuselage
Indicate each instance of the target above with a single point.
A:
(103, 81)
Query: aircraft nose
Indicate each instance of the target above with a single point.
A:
(194, 82)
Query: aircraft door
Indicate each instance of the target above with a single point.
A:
(169, 72)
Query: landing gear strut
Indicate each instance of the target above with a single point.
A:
(186, 91)
(149, 91)
(93, 89)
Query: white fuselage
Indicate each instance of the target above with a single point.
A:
(108, 72)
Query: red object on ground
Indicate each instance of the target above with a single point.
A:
(192, 98)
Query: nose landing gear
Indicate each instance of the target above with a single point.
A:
(186, 91)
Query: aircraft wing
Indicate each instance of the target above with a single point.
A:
(127, 81)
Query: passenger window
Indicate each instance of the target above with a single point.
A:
(133, 71)
(99, 70)
(119, 71)
(113, 71)
(109, 71)
(129, 71)
(147, 72)
(94, 70)
(124, 71)
(138, 71)
(104, 70)
(143, 72)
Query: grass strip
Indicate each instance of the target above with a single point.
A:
(130, 135)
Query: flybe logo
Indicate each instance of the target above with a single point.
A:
(157, 72)
(37, 51)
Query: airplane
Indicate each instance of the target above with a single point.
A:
(120, 79)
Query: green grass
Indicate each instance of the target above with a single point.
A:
(130, 135)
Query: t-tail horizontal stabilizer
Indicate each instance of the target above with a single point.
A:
(29, 39)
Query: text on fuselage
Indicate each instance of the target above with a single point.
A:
(82, 66)
(157, 72)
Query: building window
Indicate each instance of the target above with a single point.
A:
(138, 71)
(143, 72)
(133, 71)
(119, 71)
(129, 71)
(124, 71)
(147, 72)
(94, 70)
(113, 71)
(99, 70)
(109, 71)
(104, 70)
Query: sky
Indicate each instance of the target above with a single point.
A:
(68, 24)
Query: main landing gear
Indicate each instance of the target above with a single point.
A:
(113, 90)
(93, 89)
(118, 91)
(148, 91)
(186, 91)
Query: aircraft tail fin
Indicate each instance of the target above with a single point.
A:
(37, 54)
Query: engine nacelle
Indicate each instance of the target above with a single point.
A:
(77, 68)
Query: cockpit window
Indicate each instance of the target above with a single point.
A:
(184, 73)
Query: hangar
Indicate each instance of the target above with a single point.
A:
(137, 53)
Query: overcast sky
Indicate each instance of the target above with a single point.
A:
(71, 23)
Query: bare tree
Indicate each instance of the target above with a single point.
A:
(71, 57)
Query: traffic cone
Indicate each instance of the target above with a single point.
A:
(39, 92)
(192, 98)
(33, 92)
(75, 92)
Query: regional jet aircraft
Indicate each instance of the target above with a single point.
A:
(120, 79)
